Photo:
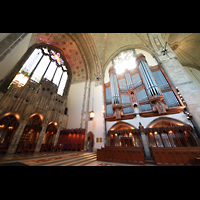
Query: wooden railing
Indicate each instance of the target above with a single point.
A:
(175, 156)
(129, 155)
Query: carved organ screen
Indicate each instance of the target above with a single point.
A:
(146, 87)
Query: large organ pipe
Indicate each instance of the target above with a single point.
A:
(148, 79)
(128, 80)
(114, 88)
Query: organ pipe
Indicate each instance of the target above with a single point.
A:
(148, 79)
(128, 79)
(114, 89)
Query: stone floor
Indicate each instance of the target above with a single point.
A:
(56, 159)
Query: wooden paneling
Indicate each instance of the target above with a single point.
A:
(129, 155)
(175, 156)
(72, 139)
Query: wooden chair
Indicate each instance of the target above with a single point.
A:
(69, 147)
(32, 147)
(26, 147)
(59, 147)
(54, 148)
(4, 147)
(48, 147)
(19, 148)
(43, 147)
(65, 147)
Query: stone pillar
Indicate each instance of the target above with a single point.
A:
(57, 136)
(16, 138)
(145, 141)
(40, 139)
(181, 79)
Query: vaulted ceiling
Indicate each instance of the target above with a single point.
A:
(186, 46)
(89, 53)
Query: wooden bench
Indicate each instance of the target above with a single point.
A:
(197, 160)
(129, 155)
(175, 156)
(4, 147)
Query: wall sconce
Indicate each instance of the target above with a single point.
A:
(20, 79)
(189, 116)
(2, 126)
(10, 127)
(92, 115)
(181, 97)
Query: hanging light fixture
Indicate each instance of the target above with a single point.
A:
(92, 115)
(20, 79)
(92, 112)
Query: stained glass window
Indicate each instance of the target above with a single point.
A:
(46, 63)
(56, 56)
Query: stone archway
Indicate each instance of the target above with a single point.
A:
(165, 121)
(90, 141)
(9, 123)
(122, 125)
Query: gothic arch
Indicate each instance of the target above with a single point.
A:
(165, 121)
(122, 125)
(159, 128)
(16, 114)
(90, 141)
(39, 114)
(7, 80)
(9, 123)
(124, 48)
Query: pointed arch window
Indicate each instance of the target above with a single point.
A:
(124, 60)
(46, 63)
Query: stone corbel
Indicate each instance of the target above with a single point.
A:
(117, 110)
(158, 104)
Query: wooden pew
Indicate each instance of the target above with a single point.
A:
(4, 147)
(129, 155)
(175, 156)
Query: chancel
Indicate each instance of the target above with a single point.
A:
(130, 98)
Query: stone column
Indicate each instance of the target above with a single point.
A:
(181, 79)
(145, 141)
(40, 139)
(178, 77)
(57, 136)
(16, 138)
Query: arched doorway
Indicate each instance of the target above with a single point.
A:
(90, 142)
(8, 125)
(31, 132)
(49, 136)
(124, 134)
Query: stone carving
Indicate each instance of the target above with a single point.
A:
(158, 104)
(117, 110)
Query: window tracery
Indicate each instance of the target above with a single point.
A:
(46, 63)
